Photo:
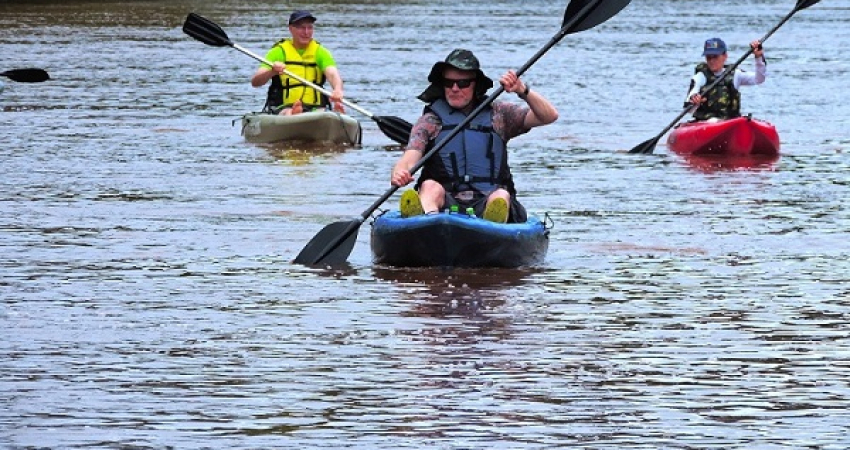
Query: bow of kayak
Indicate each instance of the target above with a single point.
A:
(314, 126)
(741, 136)
(457, 240)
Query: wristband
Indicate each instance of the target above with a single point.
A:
(524, 93)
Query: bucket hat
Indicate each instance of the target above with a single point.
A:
(460, 59)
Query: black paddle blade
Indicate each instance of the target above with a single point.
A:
(206, 31)
(803, 4)
(26, 75)
(645, 147)
(331, 246)
(395, 128)
(600, 13)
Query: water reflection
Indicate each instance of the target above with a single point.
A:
(442, 279)
(719, 163)
(298, 153)
(464, 338)
(469, 293)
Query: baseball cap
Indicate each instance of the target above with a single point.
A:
(300, 15)
(714, 46)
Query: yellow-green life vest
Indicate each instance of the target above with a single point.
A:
(286, 90)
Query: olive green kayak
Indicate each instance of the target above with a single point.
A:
(315, 126)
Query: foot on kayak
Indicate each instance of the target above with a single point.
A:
(297, 107)
(496, 211)
(410, 205)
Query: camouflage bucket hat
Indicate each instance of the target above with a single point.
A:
(460, 59)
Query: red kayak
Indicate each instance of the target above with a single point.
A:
(741, 136)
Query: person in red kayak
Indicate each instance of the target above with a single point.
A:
(471, 170)
(724, 100)
(303, 56)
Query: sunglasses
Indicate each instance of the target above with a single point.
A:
(711, 56)
(461, 84)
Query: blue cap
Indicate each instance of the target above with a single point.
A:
(300, 15)
(714, 46)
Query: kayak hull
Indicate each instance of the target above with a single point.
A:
(741, 136)
(315, 126)
(456, 240)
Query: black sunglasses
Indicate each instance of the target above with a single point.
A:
(462, 84)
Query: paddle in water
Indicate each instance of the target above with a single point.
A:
(332, 245)
(648, 146)
(26, 75)
(209, 33)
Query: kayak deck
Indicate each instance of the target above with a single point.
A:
(741, 136)
(456, 240)
(314, 126)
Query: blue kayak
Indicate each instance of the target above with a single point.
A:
(457, 240)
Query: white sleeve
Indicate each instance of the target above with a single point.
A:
(748, 79)
(697, 82)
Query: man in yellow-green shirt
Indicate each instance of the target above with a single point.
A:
(303, 56)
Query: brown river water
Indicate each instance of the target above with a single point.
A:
(149, 299)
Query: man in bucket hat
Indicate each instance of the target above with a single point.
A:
(300, 55)
(471, 170)
(724, 100)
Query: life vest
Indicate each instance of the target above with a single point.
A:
(723, 101)
(285, 90)
(474, 159)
